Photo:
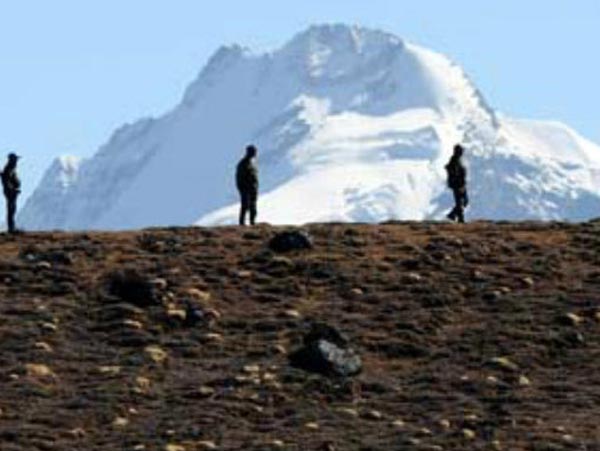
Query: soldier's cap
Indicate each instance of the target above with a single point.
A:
(13, 156)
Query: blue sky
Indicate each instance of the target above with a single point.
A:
(73, 71)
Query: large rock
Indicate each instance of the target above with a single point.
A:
(295, 240)
(129, 285)
(326, 351)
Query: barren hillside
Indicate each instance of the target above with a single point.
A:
(478, 337)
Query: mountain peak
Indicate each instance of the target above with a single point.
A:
(353, 124)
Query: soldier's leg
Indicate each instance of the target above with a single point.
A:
(252, 207)
(460, 205)
(243, 207)
(11, 207)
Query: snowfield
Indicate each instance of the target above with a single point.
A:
(351, 124)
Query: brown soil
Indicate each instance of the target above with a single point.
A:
(485, 336)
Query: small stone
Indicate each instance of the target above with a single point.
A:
(109, 370)
(77, 433)
(524, 381)
(177, 314)
(468, 434)
(478, 276)
(245, 274)
(133, 324)
(280, 349)
(276, 443)
(213, 337)
(356, 292)
(174, 447)
(567, 438)
(43, 265)
(159, 283)
(39, 370)
(313, 426)
(398, 424)
(142, 384)
(139, 447)
(528, 282)
(199, 295)
(425, 431)
(293, 314)
(413, 277)
(207, 444)
(573, 319)
(43, 346)
(444, 424)
(268, 377)
(373, 415)
(597, 316)
(492, 380)
(120, 422)
(504, 363)
(496, 445)
(206, 391)
(155, 353)
(49, 327)
(251, 369)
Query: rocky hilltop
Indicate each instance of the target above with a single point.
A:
(470, 338)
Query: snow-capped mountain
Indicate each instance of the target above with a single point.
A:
(351, 124)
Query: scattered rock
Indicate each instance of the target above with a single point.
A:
(43, 265)
(156, 354)
(504, 363)
(120, 422)
(109, 370)
(469, 434)
(142, 384)
(528, 282)
(571, 319)
(77, 433)
(326, 352)
(43, 346)
(206, 444)
(313, 426)
(444, 424)
(412, 277)
(174, 447)
(524, 381)
(159, 283)
(206, 392)
(37, 370)
(348, 412)
(129, 285)
(373, 415)
(293, 314)
(291, 241)
(199, 295)
(399, 424)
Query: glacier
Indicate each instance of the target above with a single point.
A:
(352, 124)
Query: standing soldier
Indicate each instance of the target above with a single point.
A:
(457, 182)
(246, 177)
(12, 189)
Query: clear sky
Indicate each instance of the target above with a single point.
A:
(72, 71)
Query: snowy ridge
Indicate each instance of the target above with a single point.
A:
(351, 124)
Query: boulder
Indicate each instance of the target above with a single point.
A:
(129, 285)
(326, 351)
(295, 240)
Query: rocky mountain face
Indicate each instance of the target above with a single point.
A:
(352, 124)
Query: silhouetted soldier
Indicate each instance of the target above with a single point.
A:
(457, 182)
(12, 188)
(247, 183)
